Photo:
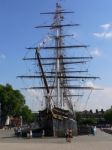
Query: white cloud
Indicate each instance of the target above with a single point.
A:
(96, 52)
(32, 92)
(100, 99)
(106, 33)
(34, 99)
(99, 35)
(106, 26)
(89, 83)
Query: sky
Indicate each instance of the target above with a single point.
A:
(17, 21)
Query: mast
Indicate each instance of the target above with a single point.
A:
(48, 102)
(58, 43)
(57, 80)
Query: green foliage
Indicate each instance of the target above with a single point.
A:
(27, 114)
(89, 121)
(13, 103)
(78, 116)
(108, 115)
(83, 120)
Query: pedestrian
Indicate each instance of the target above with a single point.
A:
(19, 131)
(30, 134)
(70, 135)
(94, 130)
(67, 135)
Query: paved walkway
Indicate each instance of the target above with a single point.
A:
(101, 141)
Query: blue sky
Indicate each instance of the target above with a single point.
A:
(18, 19)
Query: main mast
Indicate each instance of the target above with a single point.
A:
(58, 43)
(61, 88)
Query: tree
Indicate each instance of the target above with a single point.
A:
(12, 102)
(108, 115)
(78, 116)
(85, 120)
(89, 121)
(27, 114)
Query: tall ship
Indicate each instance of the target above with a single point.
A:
(61, 72)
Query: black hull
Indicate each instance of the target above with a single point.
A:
(56, 122)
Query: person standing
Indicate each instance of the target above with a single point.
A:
(70, 135)
(67, 135)
(30, 134)
(94, 130)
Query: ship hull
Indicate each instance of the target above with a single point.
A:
(56, 122)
